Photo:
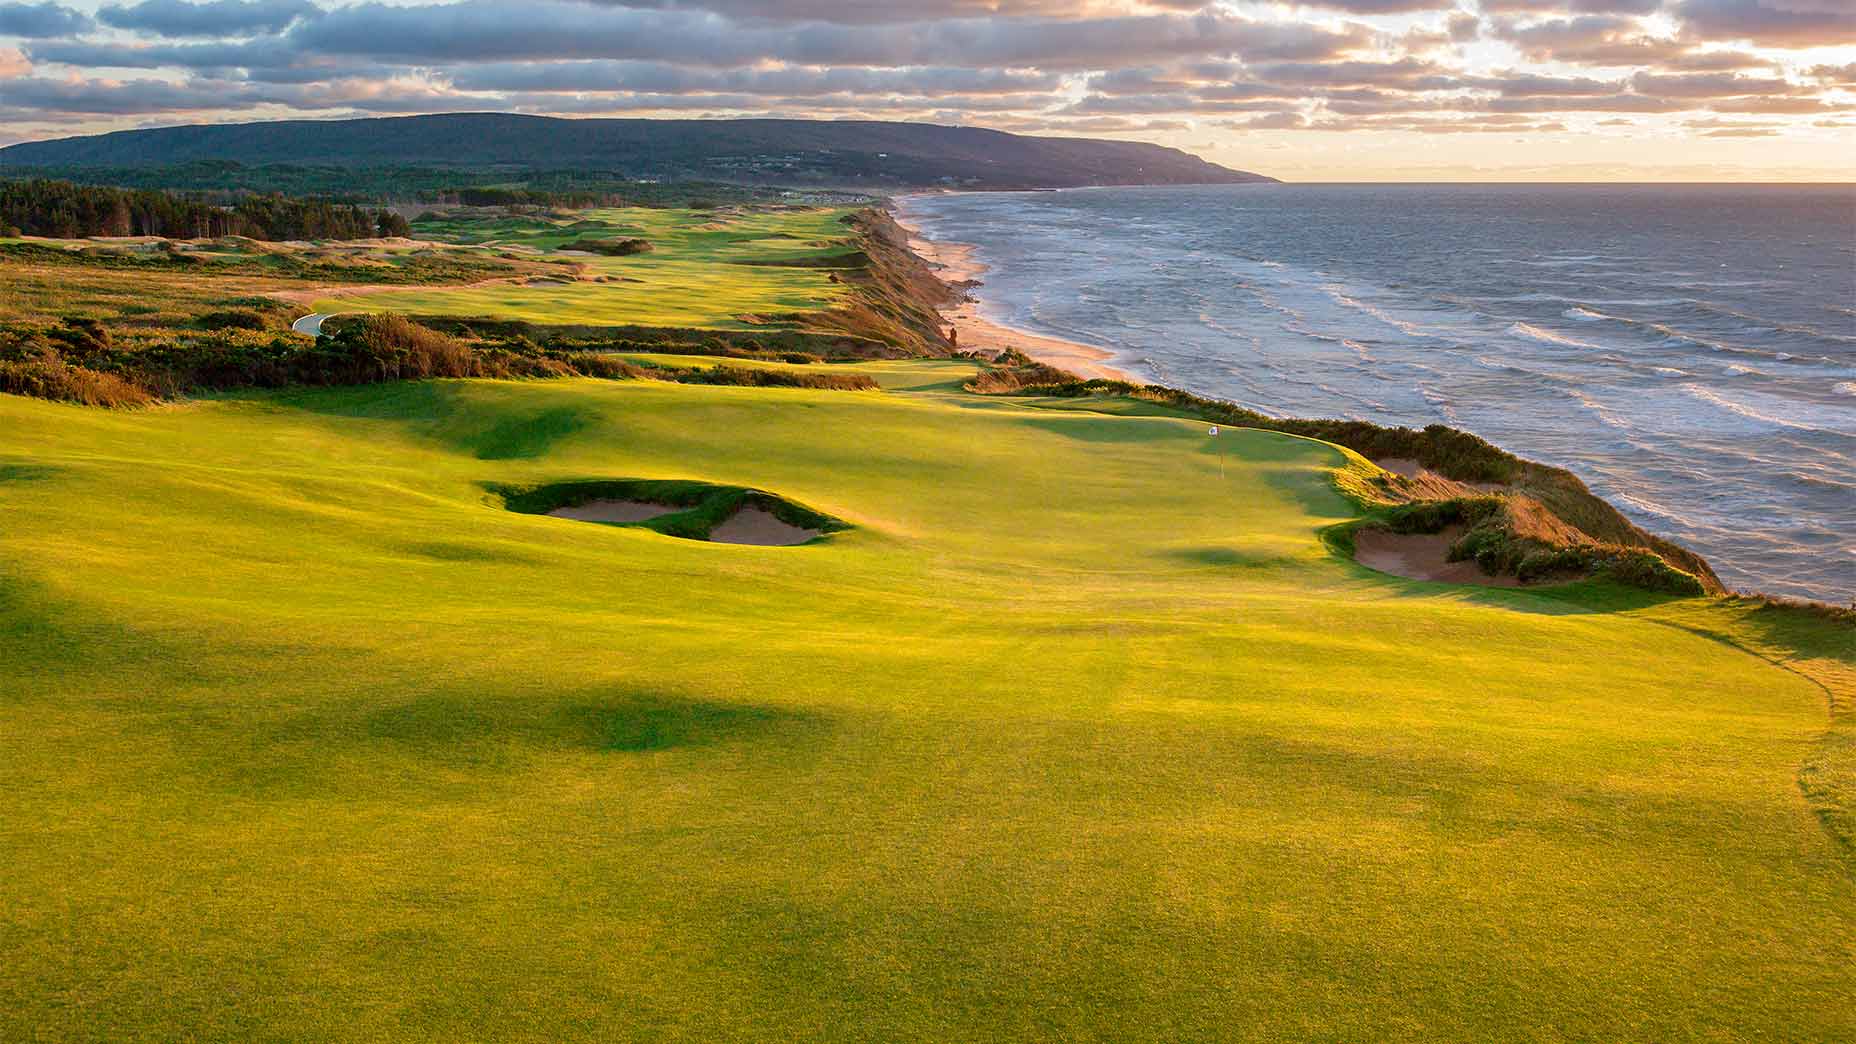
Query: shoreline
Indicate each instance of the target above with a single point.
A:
(956, 265)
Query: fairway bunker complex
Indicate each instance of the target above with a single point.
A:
(689, 510)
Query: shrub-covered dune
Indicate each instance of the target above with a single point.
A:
(308, 736)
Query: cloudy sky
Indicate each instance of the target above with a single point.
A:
(1327, 90)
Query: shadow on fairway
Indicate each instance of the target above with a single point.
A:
(438, 740)
(26, 472)
(620, 723)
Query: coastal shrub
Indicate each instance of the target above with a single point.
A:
(403, 348)
(82, 333)
(742, 376)
(231, 319)
(606, 367)
(78, 361)
(1501, 538)
(611, 247)
(50, 377)
(1640, 568)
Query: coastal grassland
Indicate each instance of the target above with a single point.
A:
(723, 269)
(161, 293)
(309, 737)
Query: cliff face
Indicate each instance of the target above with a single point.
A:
(899, 295)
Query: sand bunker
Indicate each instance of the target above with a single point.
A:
(612, 511)
(752, 525)
(678, 508)
(1421, 556)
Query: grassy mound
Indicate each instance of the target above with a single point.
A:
(1070, 736)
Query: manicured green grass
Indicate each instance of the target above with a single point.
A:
(704, 270)
(308, 738)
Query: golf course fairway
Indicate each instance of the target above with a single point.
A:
(308, 737)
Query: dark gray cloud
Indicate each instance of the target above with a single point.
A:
(1141, 104)
(663, 77)
(1774, 23)
(1530, 85)
(1708, 85)
(489, 30)
(38, 21)
(1408, 73)
(1608, 40)
(1587, 40)
(253, 54)
(214, 18)
(131, 97)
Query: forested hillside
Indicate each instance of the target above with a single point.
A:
(64, 210)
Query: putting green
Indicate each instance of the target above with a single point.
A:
(308, 738)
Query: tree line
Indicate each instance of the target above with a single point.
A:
(64, 210)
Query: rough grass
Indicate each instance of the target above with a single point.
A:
(79, 361)
(50, 377)
(703, 270)
(1069, 738)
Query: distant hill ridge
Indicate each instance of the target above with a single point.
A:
(861, 153)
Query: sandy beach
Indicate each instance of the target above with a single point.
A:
(956, 263)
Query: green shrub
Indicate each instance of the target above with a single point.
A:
(611, 247)
(232, 319)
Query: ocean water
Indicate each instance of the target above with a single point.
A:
(1689, 351)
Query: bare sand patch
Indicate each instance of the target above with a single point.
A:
(612, 511)
(1421, 556)
(752, 525)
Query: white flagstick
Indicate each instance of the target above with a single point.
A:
(1214, 434)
